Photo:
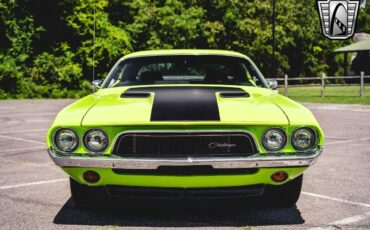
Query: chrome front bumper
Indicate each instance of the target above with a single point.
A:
(298, 159)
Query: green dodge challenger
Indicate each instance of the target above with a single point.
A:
(193, 124)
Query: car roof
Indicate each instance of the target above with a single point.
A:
(171, 52)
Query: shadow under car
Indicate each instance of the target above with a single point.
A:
(178, 213)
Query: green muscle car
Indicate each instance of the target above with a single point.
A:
(187, 124)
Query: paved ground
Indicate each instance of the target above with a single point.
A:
(34, 194)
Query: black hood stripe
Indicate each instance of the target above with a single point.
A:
(180, 103)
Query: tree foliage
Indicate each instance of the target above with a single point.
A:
(46, 47)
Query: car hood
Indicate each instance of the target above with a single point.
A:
(184, 104)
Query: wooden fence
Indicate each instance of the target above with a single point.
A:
(323, 83)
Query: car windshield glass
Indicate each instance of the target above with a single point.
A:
(181, 69)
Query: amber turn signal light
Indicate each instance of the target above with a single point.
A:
(91, 176)
(279, 176)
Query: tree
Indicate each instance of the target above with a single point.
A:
(46, 47)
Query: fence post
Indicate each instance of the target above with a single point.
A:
(323, 85)
(286, 85)
(362, 84)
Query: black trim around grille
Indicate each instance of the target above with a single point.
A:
(173, 144)
(181, 193)
(187, 170)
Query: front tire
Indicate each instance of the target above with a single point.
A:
(283, 196)
(84, 196)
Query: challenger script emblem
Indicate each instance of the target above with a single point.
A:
(338, 18)
(220, 145)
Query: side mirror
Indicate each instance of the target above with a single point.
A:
(273, 84)
(96, 84)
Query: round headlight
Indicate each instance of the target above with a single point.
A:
(303, 139)
(274, 139)
(66, 140)
(96, 140)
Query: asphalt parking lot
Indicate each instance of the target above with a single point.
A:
(34, 194)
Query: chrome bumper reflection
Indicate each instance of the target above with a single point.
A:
(256, 161)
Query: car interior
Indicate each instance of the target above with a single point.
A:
(182, 71)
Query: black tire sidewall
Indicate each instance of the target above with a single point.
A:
(283, 196)
(84, 196)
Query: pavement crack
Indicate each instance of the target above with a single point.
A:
(28, 201)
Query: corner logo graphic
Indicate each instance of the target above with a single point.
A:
(338, 18)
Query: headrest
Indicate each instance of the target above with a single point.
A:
(215, 77)
(150, 76)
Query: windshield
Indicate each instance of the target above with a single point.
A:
(184, 69)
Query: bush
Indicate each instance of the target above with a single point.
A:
(11, 73)
(55, 75)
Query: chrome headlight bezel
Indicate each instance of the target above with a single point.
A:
(74, 146)
(85, 141)
(284, 143)
(311, 146)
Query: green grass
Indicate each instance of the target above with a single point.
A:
(333, 94)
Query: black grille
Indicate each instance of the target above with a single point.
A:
(184, 144)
